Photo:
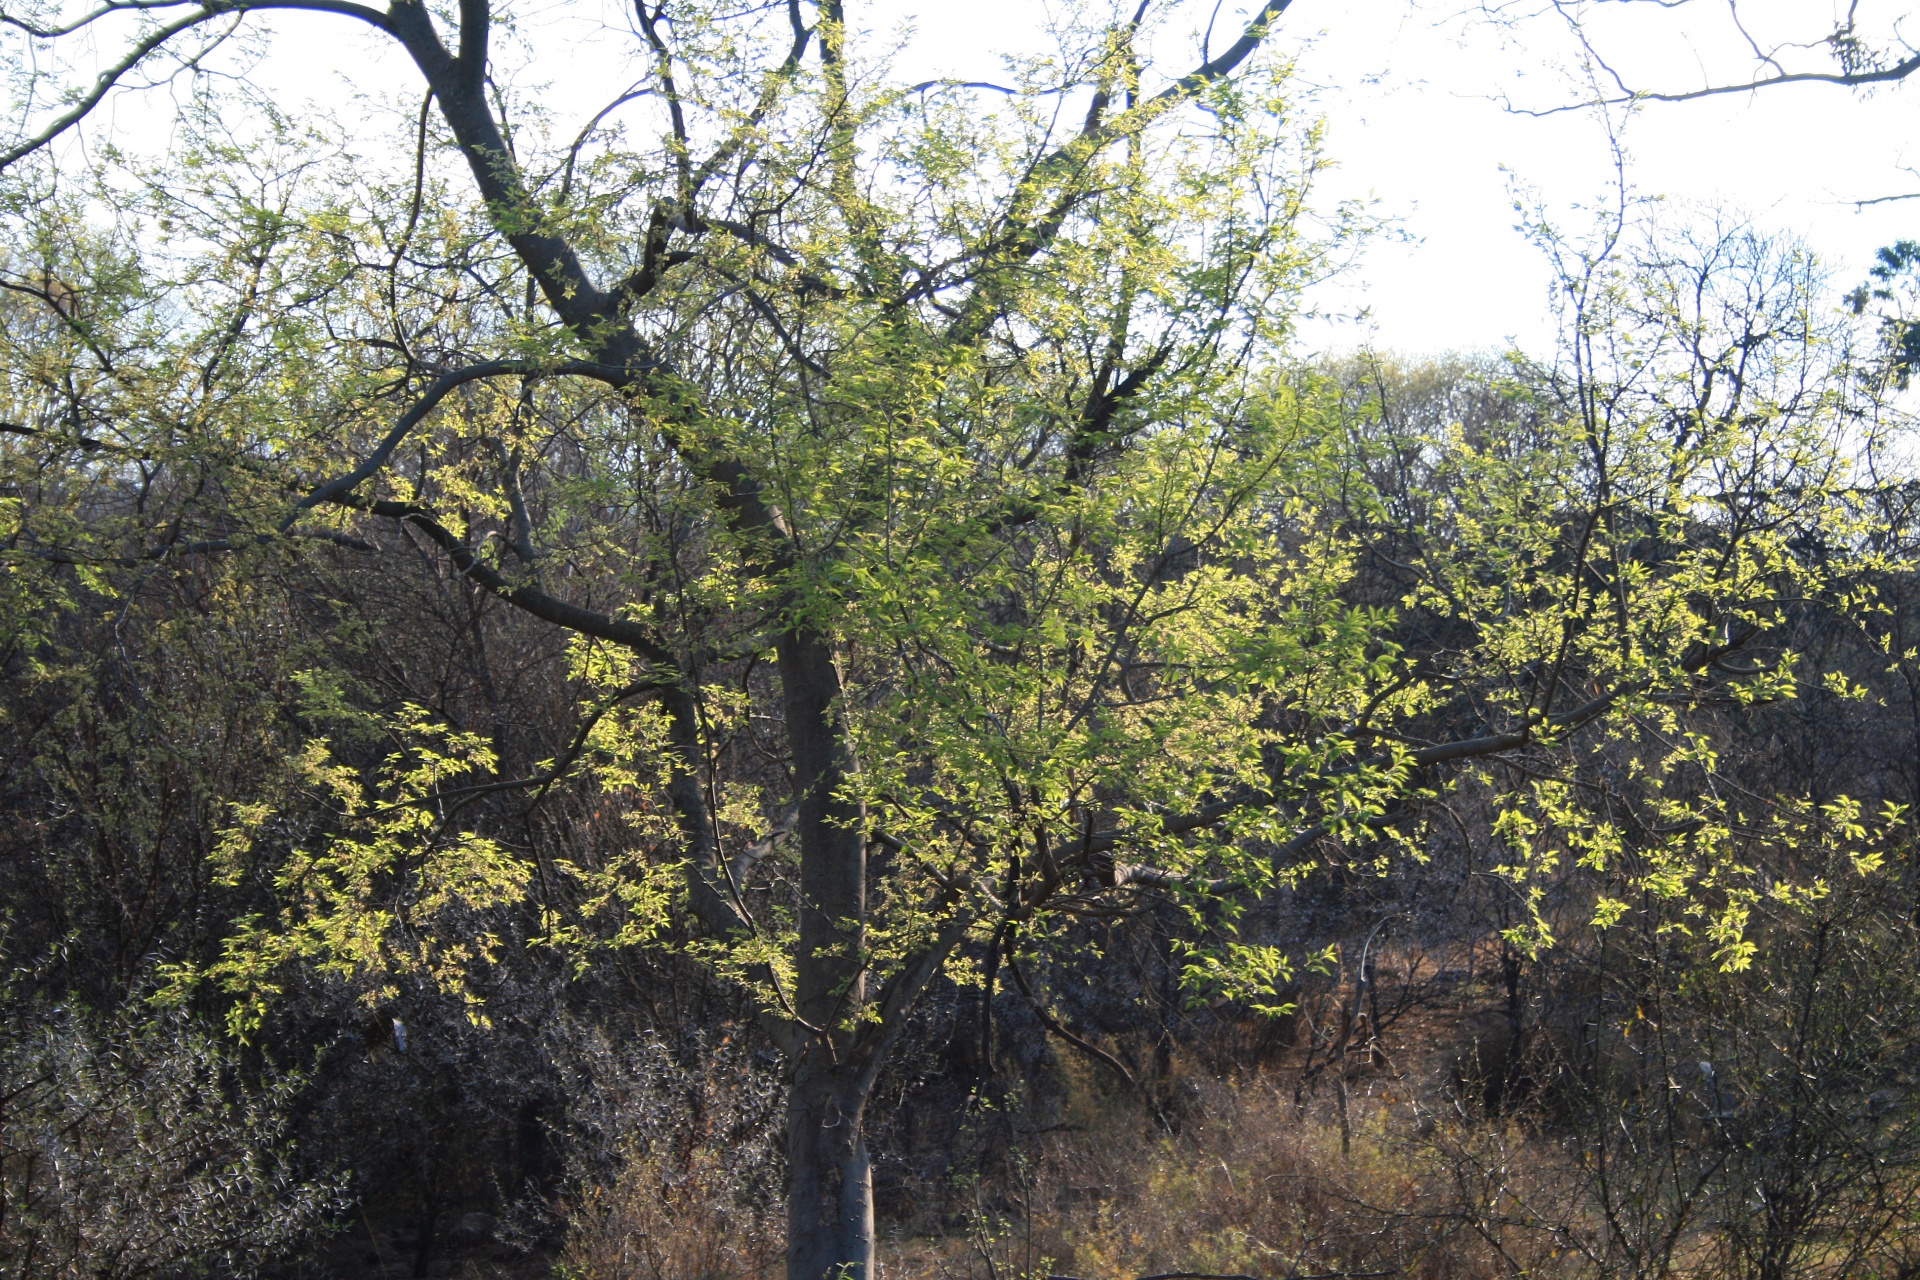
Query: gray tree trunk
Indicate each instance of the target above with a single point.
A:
(829, 1178)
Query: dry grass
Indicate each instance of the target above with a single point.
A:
(684, 1220)
(1250, 1184)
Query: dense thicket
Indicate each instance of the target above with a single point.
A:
(710, 698)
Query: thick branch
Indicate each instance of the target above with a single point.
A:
(769, 94)
(1101, 131)
(663, 67)
(336, 489)
(528, 599)
(1054, 1025)
(476, 21)
(707, 893)
(586, 309)
(106, 80)
(1029, 234)
(589, 312)
(897, 999)
(198, 547)
(86, 444)
(547, 777)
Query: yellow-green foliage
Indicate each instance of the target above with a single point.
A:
(1097, 556)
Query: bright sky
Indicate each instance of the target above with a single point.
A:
(1411, 93)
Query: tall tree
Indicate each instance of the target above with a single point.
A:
(854, 346)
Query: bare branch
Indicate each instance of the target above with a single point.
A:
(200, 547)
(663, 67)
(632, 93)
(1910, 195)
(1854, 60)
(1847, 79)
(1099, 133)
(86, 443)
(89, 18)
(925, 85)
(1054, 1025)
(107, 79)
(769, 94)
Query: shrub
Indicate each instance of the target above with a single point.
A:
(134, 1149)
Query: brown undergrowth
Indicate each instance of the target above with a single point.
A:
(1471, 1134)
(1250, 1182)
(662, 1223)
(1246, 1180)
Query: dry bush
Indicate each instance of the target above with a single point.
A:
(664, 1220)
(674, 1163)
(1489, 1134)
(1250, 1183)
(1252, 1178)
(1605, 1117)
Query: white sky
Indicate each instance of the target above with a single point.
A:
(1410, 95)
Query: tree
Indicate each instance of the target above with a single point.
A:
(818, 390)
(944, 554)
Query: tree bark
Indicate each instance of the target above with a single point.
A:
(829, 1179)
(831, 833)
